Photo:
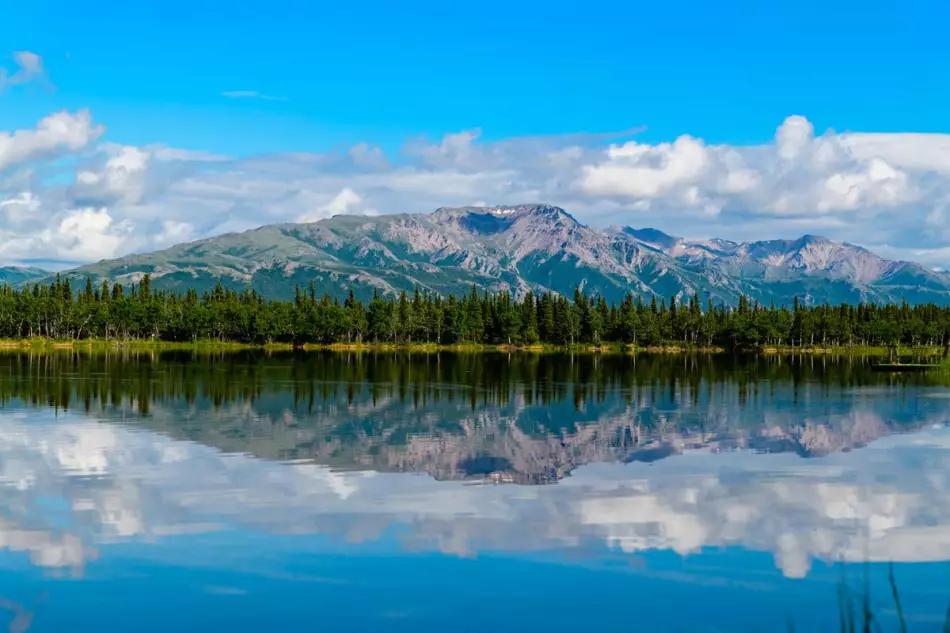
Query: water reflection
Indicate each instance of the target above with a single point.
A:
(160, 448)
(520, 419)
(70, 486)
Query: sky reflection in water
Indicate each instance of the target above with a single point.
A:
(109, 505)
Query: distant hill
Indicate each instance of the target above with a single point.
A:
(538, 247)
(15, 275)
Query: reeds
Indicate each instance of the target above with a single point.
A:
(855, 613)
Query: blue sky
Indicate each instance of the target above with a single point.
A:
(140, 125)
(381, 71)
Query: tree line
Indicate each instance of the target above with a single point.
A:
(115, 312)
(328, 384)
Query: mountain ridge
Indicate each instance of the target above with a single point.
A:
(537, 247)
(15, 275)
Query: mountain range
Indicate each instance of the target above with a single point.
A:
(14, 275)
(535, 247)
(507, 445)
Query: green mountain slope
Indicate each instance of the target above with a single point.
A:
(16, 275)
(537, 247)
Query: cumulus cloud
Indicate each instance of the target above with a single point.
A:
(53, 136)
(347, 202)
(889, 192)
(88, 234)
(19, 208)
(797, 175)
(71, 236)
(120, 181)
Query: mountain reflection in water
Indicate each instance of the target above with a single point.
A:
(527, 418)
(153, 446)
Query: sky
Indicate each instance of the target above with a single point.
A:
(126, 127)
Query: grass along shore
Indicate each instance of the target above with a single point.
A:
(212, 345)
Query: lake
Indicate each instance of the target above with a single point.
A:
(469, 492)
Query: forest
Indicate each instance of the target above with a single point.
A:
(113, 312)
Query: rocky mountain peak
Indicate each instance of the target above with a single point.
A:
(503, 211)
(538, 247)
(809, 241)
(499, 219)
(652, 237)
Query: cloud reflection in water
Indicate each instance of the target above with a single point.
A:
(70, 485)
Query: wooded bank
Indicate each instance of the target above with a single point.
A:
(114, 313)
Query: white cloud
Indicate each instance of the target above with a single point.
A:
(454, 151)
(121, 180)
(20, 208)
(89, 234)
(793, 137)
(366, 155)
(74, 235)
(883, 191)
(174, 232)
(636, 170)
(798, 175)
(346, 202)
(918, 152)
(164, 153)
(29, 68)
(54, 135)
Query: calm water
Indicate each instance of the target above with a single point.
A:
(339, 492)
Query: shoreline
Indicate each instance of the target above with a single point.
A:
(40, 344)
